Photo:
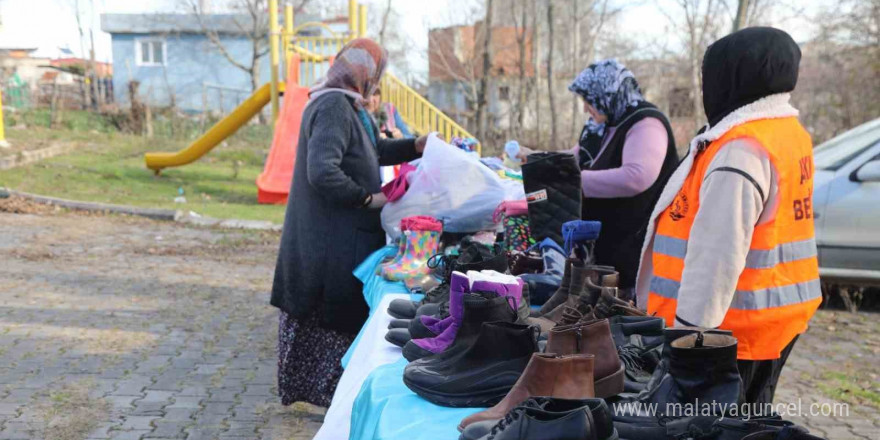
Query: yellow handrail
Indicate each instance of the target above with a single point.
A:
(315, 54)
(418, 112)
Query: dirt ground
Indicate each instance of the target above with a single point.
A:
(114, 327)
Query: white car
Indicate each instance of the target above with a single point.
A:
(846, 206)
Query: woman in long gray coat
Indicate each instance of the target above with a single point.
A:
(332, 224)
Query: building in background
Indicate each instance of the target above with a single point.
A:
(455, 68)
(189, 60)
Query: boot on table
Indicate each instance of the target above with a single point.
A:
(546, 375)
(591, 338)
(479, 374)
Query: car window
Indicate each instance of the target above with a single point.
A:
(838, 151)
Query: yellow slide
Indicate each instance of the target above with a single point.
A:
(221, 130)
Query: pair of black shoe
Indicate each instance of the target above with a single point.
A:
(545, 418)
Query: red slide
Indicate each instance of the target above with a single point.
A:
(274, 182)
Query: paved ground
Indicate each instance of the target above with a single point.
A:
(122, 328)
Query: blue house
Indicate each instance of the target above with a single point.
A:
(186, 58)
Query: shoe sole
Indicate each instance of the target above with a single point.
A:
(469, 400)
(610, 385)
(410, 356)
(398, 315)
(396, 343)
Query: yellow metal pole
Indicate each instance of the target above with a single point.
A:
(352, 17)
(362, 21)
(3, 142)
(274, 34)
(288, 33)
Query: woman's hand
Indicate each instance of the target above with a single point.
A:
(420, 144)
(396, 134)
(378, 201)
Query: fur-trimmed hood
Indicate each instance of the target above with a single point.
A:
(769, 107)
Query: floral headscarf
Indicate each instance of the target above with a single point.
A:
(356, 71)
(613, 90)
(610, 87)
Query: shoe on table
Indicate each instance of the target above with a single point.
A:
(544, 418)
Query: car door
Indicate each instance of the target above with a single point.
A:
(849, 218)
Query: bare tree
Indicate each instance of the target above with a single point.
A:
(701, 23)
(839, 84)
(483, 90)
(551, 25)
(741, 15)
(250, 19)
(520, 16)
(384, 26)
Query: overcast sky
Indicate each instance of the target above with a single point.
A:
(49, 24)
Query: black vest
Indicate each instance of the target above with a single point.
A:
(624, 219)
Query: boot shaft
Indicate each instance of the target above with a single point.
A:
(502, 341)
(561, 376)
(480, 308)
(587, 338)
(703, 367)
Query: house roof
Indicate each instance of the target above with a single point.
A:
(181, 23)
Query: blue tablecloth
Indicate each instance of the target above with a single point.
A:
(385, 408)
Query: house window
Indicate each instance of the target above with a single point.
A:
(504, 93)
(150, 52)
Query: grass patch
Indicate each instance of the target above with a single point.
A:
(851, 389)
(68, 413)
(109, 168)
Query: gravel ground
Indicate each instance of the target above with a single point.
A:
(123, 328)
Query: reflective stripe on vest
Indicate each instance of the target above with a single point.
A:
(776, 296)
(756, 258)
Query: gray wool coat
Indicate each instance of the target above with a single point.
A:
(326, 233)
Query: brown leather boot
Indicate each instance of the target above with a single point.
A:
(591, 338)
(561, 293)
(610, 305)
(584, 310)
(546, 375)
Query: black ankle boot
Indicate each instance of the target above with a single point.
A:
(701, 368)
(479, 374)
(477, 309)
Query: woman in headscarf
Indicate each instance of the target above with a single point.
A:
(332, 224)
(626, 152)
(731, 242)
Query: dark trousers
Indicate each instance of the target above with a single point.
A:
(759, 377)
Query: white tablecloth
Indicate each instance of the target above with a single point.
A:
(372, 351)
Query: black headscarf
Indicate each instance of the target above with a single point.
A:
(746, 66)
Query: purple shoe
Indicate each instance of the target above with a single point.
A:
(458, 287)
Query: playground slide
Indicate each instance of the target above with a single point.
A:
(220, 131)
(274, 182)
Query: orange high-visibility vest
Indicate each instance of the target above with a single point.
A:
(779, 290)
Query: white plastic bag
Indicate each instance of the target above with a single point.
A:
(454, 187)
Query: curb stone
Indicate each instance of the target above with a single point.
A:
(188, 217)
(27, 157)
